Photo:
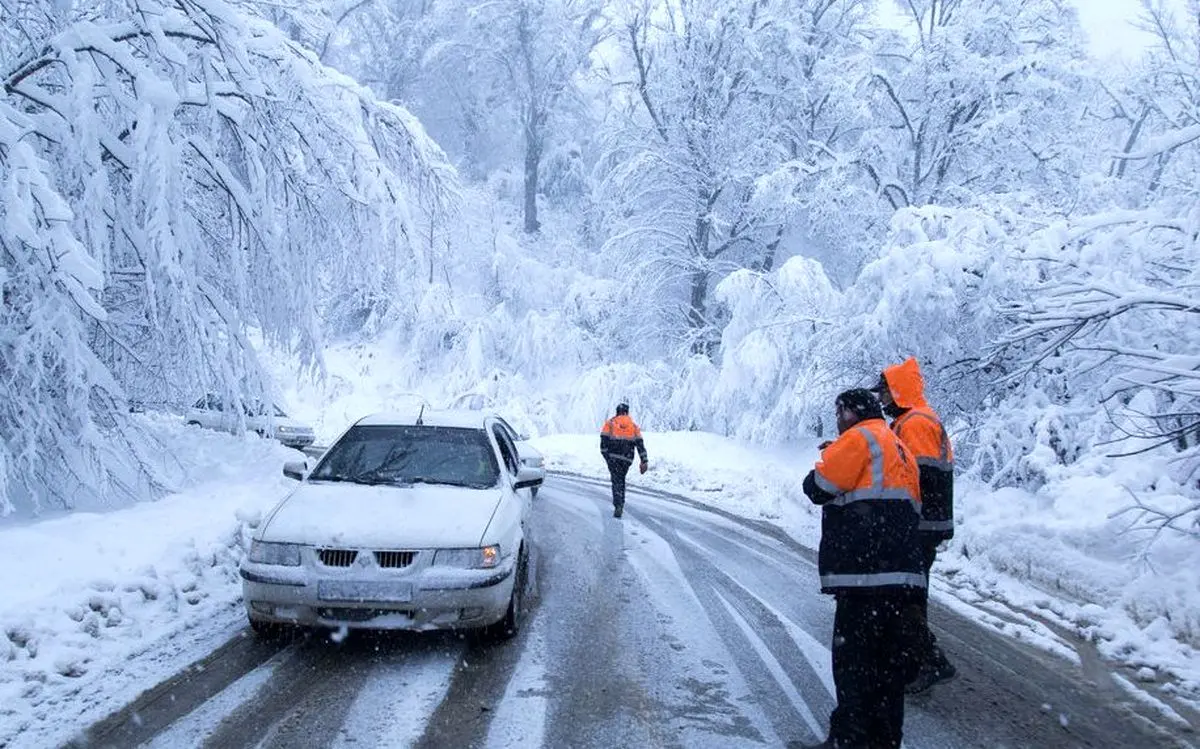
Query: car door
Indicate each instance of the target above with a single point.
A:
(259, 420)
(211, 413)
(512, 465)
(526, 453)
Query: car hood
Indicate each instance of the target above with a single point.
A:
(383, 517)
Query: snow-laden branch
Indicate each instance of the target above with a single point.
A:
(1163, 143)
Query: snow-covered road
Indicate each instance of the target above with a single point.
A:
(677, 626)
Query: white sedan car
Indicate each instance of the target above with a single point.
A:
(407, 522)
(211, 412)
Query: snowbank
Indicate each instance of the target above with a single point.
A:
(95, 607)
(1056, 554)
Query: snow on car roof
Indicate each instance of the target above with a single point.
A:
(464, 418)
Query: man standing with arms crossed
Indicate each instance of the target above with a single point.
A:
(618, 440)
(901, 389)
(870, 560)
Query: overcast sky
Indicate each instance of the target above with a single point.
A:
(1108, 24)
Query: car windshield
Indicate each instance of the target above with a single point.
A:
(404, 455)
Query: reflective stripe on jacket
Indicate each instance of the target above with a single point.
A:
(923, 433)
(869, 537)
(620, 437)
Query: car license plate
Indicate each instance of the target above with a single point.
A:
(363, 591)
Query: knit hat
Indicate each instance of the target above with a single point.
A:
(861, 402)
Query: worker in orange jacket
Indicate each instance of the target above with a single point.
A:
(619, 438)
(870, 561)
(901, 389)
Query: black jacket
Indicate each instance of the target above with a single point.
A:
(867, 491)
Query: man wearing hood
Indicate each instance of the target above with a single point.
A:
(901, 389)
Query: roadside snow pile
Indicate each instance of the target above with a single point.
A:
(96, 607)
(1058, 554)
(1073, 554)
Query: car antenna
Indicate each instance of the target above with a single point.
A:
(419, 415)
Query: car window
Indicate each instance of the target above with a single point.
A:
(401, 455)
(279, 414)
(512, 433)
(508, 451)
(214, 404)
(202, 403)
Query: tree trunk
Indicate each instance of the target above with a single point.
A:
(698, 311)
(533, 162)
(698, 307)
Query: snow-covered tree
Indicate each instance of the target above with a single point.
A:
(176, 175)
(720, 97)
(975, 96)
(514, 65)
(1115, 311)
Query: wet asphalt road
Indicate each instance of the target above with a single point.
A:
(673, 627)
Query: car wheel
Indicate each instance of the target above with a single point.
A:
(193, 423)
(508, 627)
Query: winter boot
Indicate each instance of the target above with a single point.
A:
(936, 671)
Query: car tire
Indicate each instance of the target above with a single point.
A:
(508, 627)
(193, 424)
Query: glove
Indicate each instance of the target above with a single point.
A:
(645, 466)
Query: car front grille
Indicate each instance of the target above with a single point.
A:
(394, 559)
(337, 557)
(361, 615)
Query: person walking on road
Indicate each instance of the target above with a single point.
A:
(619, 438)
(870, 561)
(901, 389)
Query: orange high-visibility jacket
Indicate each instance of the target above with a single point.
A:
(869, 535)
(923, 433)
(619, 437)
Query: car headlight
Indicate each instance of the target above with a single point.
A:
(267, 552)
(285, 430)
(471, 559)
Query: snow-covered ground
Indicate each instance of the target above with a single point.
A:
(96, 607)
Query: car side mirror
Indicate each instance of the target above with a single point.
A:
(527, 477)
(295, 469)
(522, 437)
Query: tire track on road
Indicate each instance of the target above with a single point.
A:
(291, 688)
(157, 708)
(788, 690)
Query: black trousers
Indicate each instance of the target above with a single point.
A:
(927, 650)
(617, 471)
(872, 661)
